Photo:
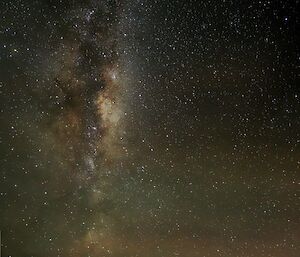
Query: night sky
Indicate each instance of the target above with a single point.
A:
(149, 128)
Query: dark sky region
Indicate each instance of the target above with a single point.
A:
(149, 128)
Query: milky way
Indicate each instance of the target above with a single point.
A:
(87, 84)
(149, 128)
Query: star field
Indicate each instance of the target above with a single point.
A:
(145, 128)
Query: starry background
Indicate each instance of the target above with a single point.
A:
(149, 128)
